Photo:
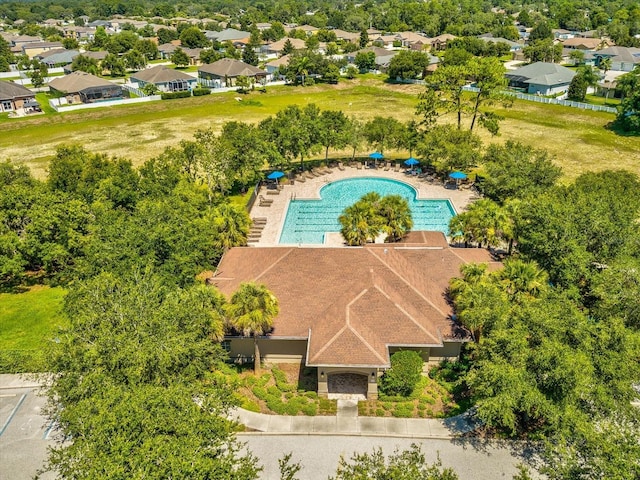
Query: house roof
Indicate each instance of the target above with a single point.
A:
(78, 81)
(582, 43)
(160, 74)
(352, 303)
(227, 34)
(542, 73)
(343, 34)
(620, 54)
(58, 56)
(10, 90)
(229, 67)
(277, 62)
(279, 45)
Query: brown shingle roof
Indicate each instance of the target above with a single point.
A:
(352, 303)
(10, 90)
(78, 81)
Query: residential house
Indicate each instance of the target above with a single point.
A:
(440, 42)
(228, 35)
(16, 42)
(57, 57)
(562, 34)
(385, 41)
(263, 26)
(165, 78)
(513, 46)
(274, 65)
(579, 43)
(81, 87)
(383, 56)
(32, 49)
(353, 37)
(308, 29)
(408, 39)
(18, 99)
(225, 72)
(81, 34)
(347, 310)
(275, 48)
(541, 78)
(623, 59)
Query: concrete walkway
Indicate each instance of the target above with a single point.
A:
(350, 424)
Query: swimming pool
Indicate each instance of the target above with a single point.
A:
(307, 221)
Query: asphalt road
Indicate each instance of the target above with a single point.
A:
(319, 454)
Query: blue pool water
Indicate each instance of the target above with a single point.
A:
(308, 220)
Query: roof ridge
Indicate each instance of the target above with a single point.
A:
(331, 340)
(285, 254)
(409, 285)
(404, 312)
(355, 332)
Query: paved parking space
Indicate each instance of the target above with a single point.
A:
(24, 432)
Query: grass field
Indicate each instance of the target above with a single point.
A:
(578, 139)
(30, 319)
(28, 322)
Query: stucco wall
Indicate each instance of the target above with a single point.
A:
(449, 351)
(271, 350)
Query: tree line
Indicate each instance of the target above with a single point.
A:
(556, 329)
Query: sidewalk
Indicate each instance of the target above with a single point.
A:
(354, 425)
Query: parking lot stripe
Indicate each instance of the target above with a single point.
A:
(13, 412)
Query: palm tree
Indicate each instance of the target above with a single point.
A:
(396, 217)
(522, 279)
(231, 225)
(251, 311)
(360, 223)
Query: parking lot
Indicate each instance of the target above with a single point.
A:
(24, 432)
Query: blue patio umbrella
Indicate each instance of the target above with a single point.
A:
(411, 162)
(376, 156)
(275, 175)
(458, 175)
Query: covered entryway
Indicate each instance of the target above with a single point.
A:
(350, 386)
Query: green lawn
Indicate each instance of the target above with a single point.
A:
(579, 139)
(29, 320)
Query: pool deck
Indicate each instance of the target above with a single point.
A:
(276, 212)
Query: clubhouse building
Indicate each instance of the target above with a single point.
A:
(345, 311)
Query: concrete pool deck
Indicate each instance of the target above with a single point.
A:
(276, 212)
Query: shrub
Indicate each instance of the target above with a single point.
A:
(281, 380)
(403, 410)
(172, 95)
(264, 379)
(380, 412)
(251, 406)
(275, 391)
(259, 392)
(404, 374)
(312, 395)
(198, 92)
(310, 410)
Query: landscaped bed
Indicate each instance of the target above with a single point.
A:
(290, 389)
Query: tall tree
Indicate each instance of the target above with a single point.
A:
(134, 386)
(333, 130)
(251, 311)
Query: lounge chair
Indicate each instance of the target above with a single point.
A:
(264, 202)
(360, 166)
(260, 220)
(340, 166)
(273, 192)
(387, 166)
(396, 168)
(300, 178)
